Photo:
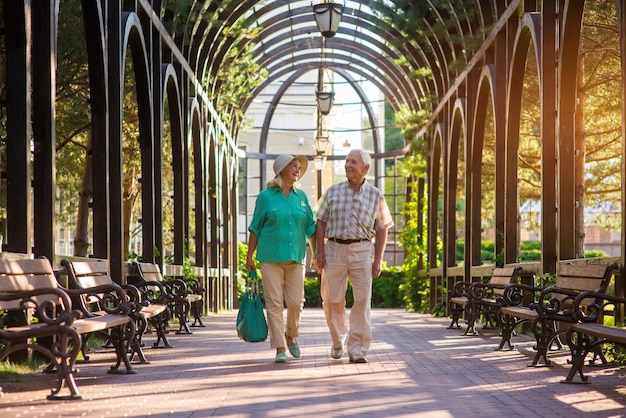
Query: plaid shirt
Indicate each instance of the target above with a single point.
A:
(350, 215)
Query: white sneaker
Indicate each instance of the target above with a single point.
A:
(336, 352)
(357, 358)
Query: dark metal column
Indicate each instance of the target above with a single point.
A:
(549, 232)
(18, 164)
(45, 15)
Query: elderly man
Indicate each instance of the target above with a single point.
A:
(350, 215)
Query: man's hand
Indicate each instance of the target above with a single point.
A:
(320, 262)
(377, 267)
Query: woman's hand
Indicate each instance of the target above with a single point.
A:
(250, 264)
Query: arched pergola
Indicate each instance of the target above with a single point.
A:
(447, 60)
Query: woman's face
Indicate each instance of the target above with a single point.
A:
(291, 173)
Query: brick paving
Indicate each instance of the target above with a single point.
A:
(417, 368)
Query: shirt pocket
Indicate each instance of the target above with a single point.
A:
(368, 219)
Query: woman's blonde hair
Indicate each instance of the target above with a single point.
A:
(278, 182)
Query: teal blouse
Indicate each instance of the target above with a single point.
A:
(282, 225)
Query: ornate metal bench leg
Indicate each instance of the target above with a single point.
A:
(122, 337)
(197, 315)
(508, 324)
(67, 354)
(136, 344)
(544, 332)
(159, 322)
(579, 348)
(455, 312)
(471, 313)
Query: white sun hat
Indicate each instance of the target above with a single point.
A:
(284, 160)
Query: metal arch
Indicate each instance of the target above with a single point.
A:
(487, 13)
(532, 22)
(450, 174)
(403, 77)
(567, 69)
(455, 50)
(458, 121)
(435, 183)
(213, 52)
(220, 46)
(485, 89)
(281, 24)
(277, 26)
(402, 80)
(446, 47)
(357, 23)
(526, 33)
(133, 36)
(399, 41)
(299, 73)
(568, 59)
(169, 86)
(197, 144)
(519, 55)
(318, 43)
(212, 59)
(100, 125)
(388, 93)
(289, 48)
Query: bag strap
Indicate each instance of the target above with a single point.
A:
(252, 284)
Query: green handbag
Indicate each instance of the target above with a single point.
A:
(251, 323)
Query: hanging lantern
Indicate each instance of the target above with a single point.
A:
(325, 101)
(327, 17)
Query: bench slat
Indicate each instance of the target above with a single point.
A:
(614, 334)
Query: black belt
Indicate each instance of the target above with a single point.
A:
(347, 241)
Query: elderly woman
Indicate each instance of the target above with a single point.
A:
(281, 224)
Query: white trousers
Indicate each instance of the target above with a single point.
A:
(353, 261)
(283, 284)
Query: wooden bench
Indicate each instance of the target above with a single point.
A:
(589, 333)
(180, 294)
(85, 274)
(544, 307)
(30, 285)
(480, 298)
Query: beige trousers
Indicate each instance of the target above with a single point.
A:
(283, 284)
(353, 261)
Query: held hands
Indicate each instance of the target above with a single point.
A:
(319, 262)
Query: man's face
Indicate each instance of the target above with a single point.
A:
(356, 170)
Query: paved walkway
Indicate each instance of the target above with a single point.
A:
(417, 368)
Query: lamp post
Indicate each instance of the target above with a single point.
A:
(327, 17)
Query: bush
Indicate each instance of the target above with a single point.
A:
(386, 290)
(595, 253)
(312, 293)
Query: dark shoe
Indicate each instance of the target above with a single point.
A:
(336, 352)
(294, 349)
(357, 358)
(281, 358)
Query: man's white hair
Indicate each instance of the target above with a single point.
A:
(365, 156)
